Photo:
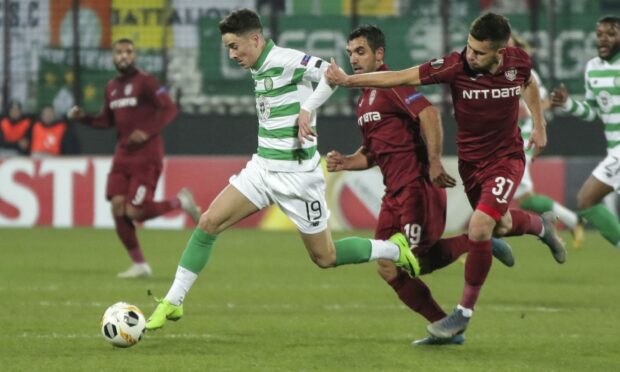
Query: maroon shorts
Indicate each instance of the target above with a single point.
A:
(137, 182)
(418, 210)
(491, 186)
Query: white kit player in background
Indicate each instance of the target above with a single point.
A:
(602, 100)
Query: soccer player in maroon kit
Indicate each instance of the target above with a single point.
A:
(402, 135)
(487, 80)
(139, 107)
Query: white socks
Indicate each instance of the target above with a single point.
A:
(565, 215)
(383, 249)
(467, 313)
(183, 281)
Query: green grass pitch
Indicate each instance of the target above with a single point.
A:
(261, 305)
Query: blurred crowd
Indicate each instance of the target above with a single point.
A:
(37, 135)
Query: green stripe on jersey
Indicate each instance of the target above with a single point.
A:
(285, 110)
(612, 127)
(296, 154)
(272, 72)
(603, 73)
(611, 90)
(298, 74)
(290, 132)
(612, 144)
(278, 91)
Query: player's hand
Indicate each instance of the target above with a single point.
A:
(335, 161)
(76, 113)
(305, 128)
(335, 75)
(559, 96)
(439, 176)
(538, 139)
(137, 137)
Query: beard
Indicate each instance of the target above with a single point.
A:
(613, 51)
(124, 69)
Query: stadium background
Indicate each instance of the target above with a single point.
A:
(58, 52)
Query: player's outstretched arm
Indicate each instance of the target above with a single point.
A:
(337, 162)
(531, 96)
(432, 131)
(582, 109)
(382, 79)
(319, 96)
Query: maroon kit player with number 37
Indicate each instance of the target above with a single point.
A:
(402, 135)
(487, 79)
(139, 108)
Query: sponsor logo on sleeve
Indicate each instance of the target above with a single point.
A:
(437, 63)
(161, 90)
(305, 60)
(412, 98)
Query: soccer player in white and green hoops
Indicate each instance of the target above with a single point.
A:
(602, 99)
(525, 195)
(285, 170)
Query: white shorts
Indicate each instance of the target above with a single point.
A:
(526, 184)
(300, 195)
(608, 171)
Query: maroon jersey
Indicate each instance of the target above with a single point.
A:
(391, 130)
(486, 106)
(136, 101)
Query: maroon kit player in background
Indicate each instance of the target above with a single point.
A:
(139, 107)
(487, 79)
(402, 135)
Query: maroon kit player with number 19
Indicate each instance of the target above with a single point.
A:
(487, 80)
(402, 135)
(139, 108)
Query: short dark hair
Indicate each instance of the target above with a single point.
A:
(123, 40)
(240, 22)
(492, 27)
(372, 33)
(610, 19)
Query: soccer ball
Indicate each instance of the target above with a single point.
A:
(123, 324)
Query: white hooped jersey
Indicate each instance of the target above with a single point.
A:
(602, 98)
(527, 124)
(282, 82)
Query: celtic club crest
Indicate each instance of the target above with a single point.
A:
(268, 83)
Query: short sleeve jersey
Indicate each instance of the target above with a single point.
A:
(486, 106)
(388, 119)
